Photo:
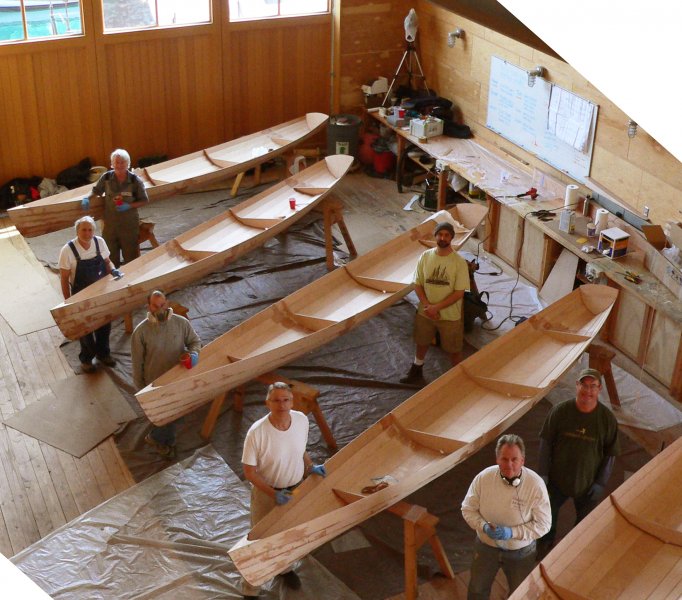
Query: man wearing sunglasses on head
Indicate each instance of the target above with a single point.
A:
(578, 447)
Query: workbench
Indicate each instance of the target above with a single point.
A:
(646, 323)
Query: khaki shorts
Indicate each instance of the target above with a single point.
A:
(451, 333)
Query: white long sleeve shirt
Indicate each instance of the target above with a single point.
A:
(525, 508)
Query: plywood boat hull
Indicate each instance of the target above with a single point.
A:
(428, 434)
(172, 177)
(630, 546)
(305, 320)
(201, 250)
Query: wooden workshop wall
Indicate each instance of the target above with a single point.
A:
(165, 91)
(372, 43)
(639, 171)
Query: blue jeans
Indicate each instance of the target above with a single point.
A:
(516, 565)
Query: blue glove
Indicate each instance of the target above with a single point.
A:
(123, 207)
(85, 203)
(282, 496)
(194, 358)
(318, 470)
(116, 274)
(500, 532)
(596, 491)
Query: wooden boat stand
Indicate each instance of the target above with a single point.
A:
(332, 212)
(305, 400)
(600, 359)
(419, 527)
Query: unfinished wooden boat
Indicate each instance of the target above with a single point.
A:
(301, 322)
(201, 250)
(630, 546)
(175, 176)
(429, 433)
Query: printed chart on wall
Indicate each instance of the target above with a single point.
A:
(554, 124)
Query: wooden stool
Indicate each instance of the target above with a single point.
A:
(146, 233)
(332, 211)
(305, 401)
(600, 359)
(178, 309)
(419, 526)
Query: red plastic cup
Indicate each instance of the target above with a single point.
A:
(186, 361)
(292, 203)
(118, 201)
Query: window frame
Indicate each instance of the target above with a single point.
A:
(279, 16)
(26, 39)
(154, 27)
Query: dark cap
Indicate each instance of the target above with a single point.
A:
(444, 225)
(590, 373)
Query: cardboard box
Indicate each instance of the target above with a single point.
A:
(429, 127)
(613, 242)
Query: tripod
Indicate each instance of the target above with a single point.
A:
(409, 53)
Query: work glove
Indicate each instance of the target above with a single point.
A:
(116, 274)
(194, 358)
(596, 492)
(85, 203)
(500, 532)
(318, 470)
(123, 207)
(282, 496)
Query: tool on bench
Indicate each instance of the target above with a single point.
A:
(632, 277)
(532, 192)
(543, 215)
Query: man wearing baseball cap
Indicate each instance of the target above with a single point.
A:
(440, 279)
(578, 446)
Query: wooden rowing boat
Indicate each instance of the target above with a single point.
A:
(308, 318)
(201, 250)
(175, 176)
(428, 434)
(630, 546)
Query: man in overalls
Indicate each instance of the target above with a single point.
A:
(124, 193)
(82, 261)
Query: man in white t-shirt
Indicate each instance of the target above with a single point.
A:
(275, 461)
(82, 261)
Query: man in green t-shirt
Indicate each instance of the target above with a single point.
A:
(440, 279)
(578, 447)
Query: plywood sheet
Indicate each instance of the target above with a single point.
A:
(26, 295)
(561, 278)
(82, 411)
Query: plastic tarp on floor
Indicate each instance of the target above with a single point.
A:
(163, 538)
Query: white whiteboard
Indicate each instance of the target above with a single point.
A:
(520, 113)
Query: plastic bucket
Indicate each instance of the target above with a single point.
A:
(342, 134)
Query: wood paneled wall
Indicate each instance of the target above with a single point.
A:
(639, 171)
(166, 91)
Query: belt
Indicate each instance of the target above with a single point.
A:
(290, 488)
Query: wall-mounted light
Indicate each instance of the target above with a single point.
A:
(538, 71)
(453, 35)
(632, 129)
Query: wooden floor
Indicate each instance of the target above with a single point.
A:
(42, 488)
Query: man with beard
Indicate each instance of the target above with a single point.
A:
(158, 343)
(440, 279)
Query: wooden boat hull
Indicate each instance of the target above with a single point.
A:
(201, 250)
(429, 433)
(630, 546)
(172, 177)
(305, 320)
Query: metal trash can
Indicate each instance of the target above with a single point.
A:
(342, 134)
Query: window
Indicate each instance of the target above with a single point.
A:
(138, 14)
(242, 10)
(36, 19)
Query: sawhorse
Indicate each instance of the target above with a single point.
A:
(332, 212)
(305, 401)
(419, 527)
(600, 359)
